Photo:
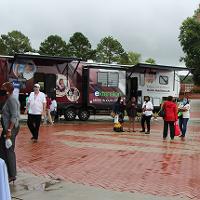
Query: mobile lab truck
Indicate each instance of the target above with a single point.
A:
(83, 88)
(80, 88)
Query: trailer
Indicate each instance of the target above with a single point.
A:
(85, 88)
(80, 88)
(156, 81)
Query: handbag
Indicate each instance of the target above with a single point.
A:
(116, 119)
(177, 130)
(161, 113)
(180, 114)
(117, 127)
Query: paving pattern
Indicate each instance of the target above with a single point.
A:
(92, 154)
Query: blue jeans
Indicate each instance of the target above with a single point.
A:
(183, 125)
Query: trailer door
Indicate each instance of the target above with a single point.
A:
(50, 85)
(132, 87)
(85, 87)
(47, 83)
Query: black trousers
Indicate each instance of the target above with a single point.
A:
(8, 155)
(172, 130)
(33, 123)
(146, 119)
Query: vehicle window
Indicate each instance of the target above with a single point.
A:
(163, 80)
(141, 79)
(108, 79)
(156, 101)
(102, 78)
(113, 79)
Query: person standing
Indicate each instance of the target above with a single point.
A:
(10, 123)
(4, 185)
(36, 107)
(147, 111)
(131, 112)
(170, 117)
(118, 109)
(53, 109)
(47, 117)
(184, 108)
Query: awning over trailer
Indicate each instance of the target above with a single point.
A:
(41, 60)
(106, 66)
(142, 67)
(44, 60)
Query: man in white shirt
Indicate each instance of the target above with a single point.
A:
(36, 107)
(147, 112)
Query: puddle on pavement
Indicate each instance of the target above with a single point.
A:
(45, 186)
(40, 186)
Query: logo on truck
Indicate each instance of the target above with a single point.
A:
(63, 88)
(25, 69)
(106, 94)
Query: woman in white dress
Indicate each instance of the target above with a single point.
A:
(4, 185)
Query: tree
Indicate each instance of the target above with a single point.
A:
(80, 47)
(189, 38)
(124, 60)
(54, 45)
(14, 42)
(134, 57)
(2, 48)
(109, 50)
(150, 61)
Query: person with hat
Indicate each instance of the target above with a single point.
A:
(10, 123)
(36, 107)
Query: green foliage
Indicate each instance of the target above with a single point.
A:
(80, 47)
(14, 42)
(187, 80)
(124, 60)
(110, 50)
(190, 41)
(150, 61)
(2, 48)
(134, 57)
(54, 45)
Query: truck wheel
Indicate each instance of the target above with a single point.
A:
(83, 115)
(70, 114)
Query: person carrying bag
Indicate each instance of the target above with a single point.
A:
(118, 109)
(171, 116)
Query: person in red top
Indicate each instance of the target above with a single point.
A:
(171, 116)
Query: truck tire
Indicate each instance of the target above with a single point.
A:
(83, 115)
(70, 114)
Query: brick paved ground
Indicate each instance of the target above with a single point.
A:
(91, 154)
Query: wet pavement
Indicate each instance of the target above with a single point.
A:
(87, 160)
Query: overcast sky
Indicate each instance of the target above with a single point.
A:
(150, 27)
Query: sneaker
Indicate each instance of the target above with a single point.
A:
(35, 140)
(142, 131)
(147, 132)
(180, 136)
